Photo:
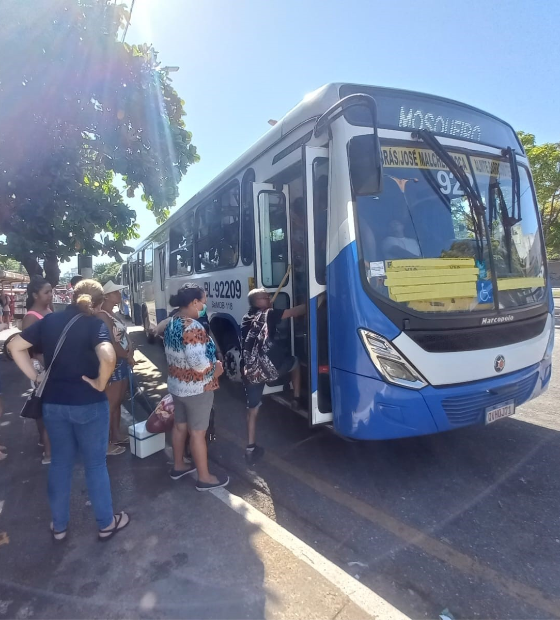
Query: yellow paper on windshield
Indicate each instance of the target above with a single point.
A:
(509, 284)
(416, 264)
(429, 279)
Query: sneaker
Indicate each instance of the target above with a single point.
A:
(252, 456)
(177, 474)
(208, 486)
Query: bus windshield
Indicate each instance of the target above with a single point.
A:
(421, 244)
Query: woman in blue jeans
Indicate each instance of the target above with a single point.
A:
(75, 407)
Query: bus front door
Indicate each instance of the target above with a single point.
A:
(160, 269)
(272, 252)
(316, 164)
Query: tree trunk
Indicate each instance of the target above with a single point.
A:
(52, 270)
(32, 267)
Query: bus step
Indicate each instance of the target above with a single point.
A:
(286, 401)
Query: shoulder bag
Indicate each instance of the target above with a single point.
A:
(33, 407)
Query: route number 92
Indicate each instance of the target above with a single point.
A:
(448, 185)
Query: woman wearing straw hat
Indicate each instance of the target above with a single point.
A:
(116, 388)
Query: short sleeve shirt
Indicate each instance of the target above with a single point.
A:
(77, 357)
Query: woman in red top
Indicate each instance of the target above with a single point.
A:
(38, 304)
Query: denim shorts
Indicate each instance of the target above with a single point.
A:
(254, 391)
(121, 371)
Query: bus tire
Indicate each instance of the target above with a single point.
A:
(232, 363)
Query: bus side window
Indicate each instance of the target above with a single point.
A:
(247, 217)
(148, 264)
(217, 231)
(181, 247)
(320, 204)
(140, 269)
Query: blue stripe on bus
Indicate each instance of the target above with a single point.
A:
(365, 408)
(137, 314)
(161, 314)
(350, 308)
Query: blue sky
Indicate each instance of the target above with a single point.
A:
(243, 62)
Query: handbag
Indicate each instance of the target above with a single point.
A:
(162, 418)
(33, 406)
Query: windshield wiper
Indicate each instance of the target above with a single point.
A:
(515, 217)
(475, 203)
(507, 221)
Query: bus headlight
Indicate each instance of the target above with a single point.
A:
(390, 363)
(550, 345)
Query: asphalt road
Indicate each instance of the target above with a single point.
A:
(466, 520)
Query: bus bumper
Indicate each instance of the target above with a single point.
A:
(367, 408)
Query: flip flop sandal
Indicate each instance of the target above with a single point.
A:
(55, 534)
(122, 442)
(114, 450)
(115, 529)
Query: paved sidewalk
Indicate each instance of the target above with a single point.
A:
(185, 554)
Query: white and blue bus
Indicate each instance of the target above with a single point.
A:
(411, 227)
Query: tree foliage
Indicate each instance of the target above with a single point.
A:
(103, 272)
(79, 107)
(9, 264)
(545, 168)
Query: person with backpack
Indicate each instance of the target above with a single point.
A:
(265, 359)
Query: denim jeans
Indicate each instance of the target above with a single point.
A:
(78, 430)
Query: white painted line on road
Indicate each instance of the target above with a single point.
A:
(357, 592)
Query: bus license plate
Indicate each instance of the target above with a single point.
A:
(504, 410)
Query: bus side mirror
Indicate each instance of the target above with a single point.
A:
(366, 165)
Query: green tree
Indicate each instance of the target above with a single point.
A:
(545, 167)
(106, 271)
(78, 108)
(9, 264)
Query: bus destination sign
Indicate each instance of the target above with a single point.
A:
(408, 111)
(409, 118)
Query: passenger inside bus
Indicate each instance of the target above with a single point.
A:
(397, 245)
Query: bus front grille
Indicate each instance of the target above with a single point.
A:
(470, 408)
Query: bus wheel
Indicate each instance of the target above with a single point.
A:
(232, 364)
(149, 334)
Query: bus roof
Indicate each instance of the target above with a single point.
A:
(312, 106)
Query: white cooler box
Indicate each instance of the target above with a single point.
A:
(146, 443)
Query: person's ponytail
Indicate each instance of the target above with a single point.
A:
(88, 296)
(85, 303)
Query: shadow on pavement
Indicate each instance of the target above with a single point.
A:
(465, 520)
(185, 554)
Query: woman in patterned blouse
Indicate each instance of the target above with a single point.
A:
(193, 372)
